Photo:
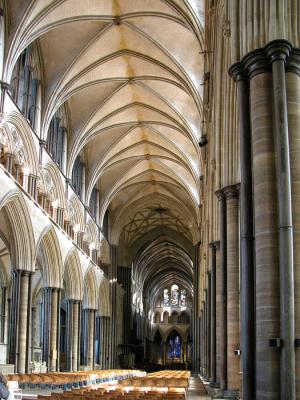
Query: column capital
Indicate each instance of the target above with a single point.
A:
(278, 50)
(293, 62)
(231, 191)
(260, 60)
(73, 301)
(220, 194)
(255, 63)
(237, 72)
(21, 272)
(51, 289)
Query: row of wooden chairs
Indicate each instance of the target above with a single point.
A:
(67, 380)
(165, 378)
(116, 393)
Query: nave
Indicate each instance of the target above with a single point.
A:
(149, 192)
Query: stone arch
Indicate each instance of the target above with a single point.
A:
(90, 289)
(49, 252)
(176, 329)
(103, 298)
(20, 232)
(73, 279)
(166, 317)
(54, 183)
(76, 215)
(157, 330)
(174, 318)
(184, 317)
(16, 130)
(157, 317)
(91, 232)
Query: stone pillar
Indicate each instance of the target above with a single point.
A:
(278, 52)
(195, 313)
(223, 291)
(213, 377)
(69, 331)
(22, 354)
(293, 98)
(89, 336)
(113, 296)
(207, 333)
(233, 289)
(246, 237)
(19, 320)
(53, 330)
(218, 312)
(266, 231)
(91, 339)
(75, 335)
(32, 186)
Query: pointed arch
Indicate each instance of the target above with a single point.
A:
(20, 230)
(49, 252)
(16, 121)
(103, 298)
(73, 279)
(54, 176)
(90, 289)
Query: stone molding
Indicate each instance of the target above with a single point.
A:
(260, 61)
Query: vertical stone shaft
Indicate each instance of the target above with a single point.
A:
(213, 315)
(53, 331)
(223, 291)
(208, 327)
(233, 286)
(278, 52)
(91, 338)
(293, 98)
(23, 315)
(75, 334)
(69, 333)
(266, 241)
(218, 312)
(247, 295)
(195, 313)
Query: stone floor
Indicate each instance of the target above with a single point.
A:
(196, 390)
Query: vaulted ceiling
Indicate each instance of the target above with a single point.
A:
(130, 74)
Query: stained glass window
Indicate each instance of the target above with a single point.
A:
(166, 300)
(183, 298)
(174, 295)
(175, 347)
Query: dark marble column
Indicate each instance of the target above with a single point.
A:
(213, 342)
(278, 52)
(247, 295)
(223, 290)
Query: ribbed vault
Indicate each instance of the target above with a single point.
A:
(129, 77)
(132, 91)
(162, 263)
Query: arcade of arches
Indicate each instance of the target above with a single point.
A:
(149, 189)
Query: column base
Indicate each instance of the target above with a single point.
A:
(227, 394)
